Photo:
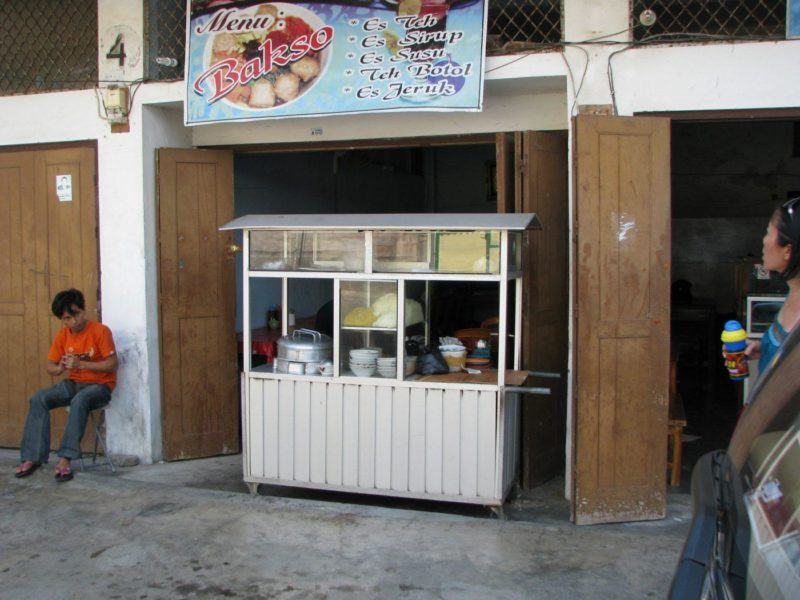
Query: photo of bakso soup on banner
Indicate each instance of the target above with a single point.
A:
(263, 76)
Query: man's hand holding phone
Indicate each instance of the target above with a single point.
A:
(70, 362)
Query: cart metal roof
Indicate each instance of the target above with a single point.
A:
(404, 221)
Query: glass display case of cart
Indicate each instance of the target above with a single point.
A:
(368, 329)
(385, 288)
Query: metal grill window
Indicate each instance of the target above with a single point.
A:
(165, 37)
(47, 45)
(729, 18)
(520, 24)
(513, 25)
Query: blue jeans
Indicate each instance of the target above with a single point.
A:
(82, 398)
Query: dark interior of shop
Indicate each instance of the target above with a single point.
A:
(727, 177)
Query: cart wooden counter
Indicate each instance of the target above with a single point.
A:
(452, 437)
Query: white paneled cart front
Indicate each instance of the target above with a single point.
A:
(398, 432)
(418, 442)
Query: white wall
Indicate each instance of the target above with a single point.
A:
(162, 127)
(708, 77)
(506, 108)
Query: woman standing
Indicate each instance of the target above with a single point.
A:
(781, 253)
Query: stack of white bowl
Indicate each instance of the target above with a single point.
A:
(363, 361)
(387, 367)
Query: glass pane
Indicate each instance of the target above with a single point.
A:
(475, 252)
(268, 251)
(311, 305)
(306, 251)
(265, 321)
(467, 311)
(511, 327)
(514, 250)
(467, 252)
(401, 251)
(416, 334)
(772, 507)
(368, 329)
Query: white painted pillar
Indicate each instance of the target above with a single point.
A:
(587, 20)
(122, 241)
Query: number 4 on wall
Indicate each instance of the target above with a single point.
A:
(117, 50)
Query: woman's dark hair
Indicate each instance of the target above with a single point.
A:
(66, 300)
(787, 221)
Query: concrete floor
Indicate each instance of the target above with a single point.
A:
(190, 530)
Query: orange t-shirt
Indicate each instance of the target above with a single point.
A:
(93, 344)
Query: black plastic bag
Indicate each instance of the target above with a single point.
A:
(415, 346)
(432, 363)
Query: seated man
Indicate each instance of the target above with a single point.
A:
(85, 350)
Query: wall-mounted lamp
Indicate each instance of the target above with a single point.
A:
(647, 17)
(166, 61)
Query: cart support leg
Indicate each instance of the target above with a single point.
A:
(253, 487)
(498, 513)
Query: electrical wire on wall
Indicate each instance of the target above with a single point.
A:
(576, 91)
(105, 113)
(579, 45)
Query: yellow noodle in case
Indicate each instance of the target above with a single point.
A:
(359, 317)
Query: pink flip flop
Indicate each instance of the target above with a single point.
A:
(63, 474)
(28, 467)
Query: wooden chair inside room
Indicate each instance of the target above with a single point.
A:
(676, 423)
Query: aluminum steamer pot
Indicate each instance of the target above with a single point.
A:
(305, 346)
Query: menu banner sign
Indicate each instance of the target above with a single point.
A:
(249, 60)
(793, 19)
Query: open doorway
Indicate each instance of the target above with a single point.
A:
(473, 177)
(200, 190)
(727, 177)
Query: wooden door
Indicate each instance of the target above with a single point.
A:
(197, 296)
(47, 244)
(505, 177)
(542, 165)
(621, 318)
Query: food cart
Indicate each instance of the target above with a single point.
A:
(320, 415)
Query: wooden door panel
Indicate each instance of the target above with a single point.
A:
(622, 318)
(542, 163)
(45, 246)
(70, 254)
(505, 177)
(197, 300)
(16, 250)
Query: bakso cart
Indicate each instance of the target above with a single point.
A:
(350, 302)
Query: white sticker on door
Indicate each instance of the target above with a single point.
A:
(64, 188)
